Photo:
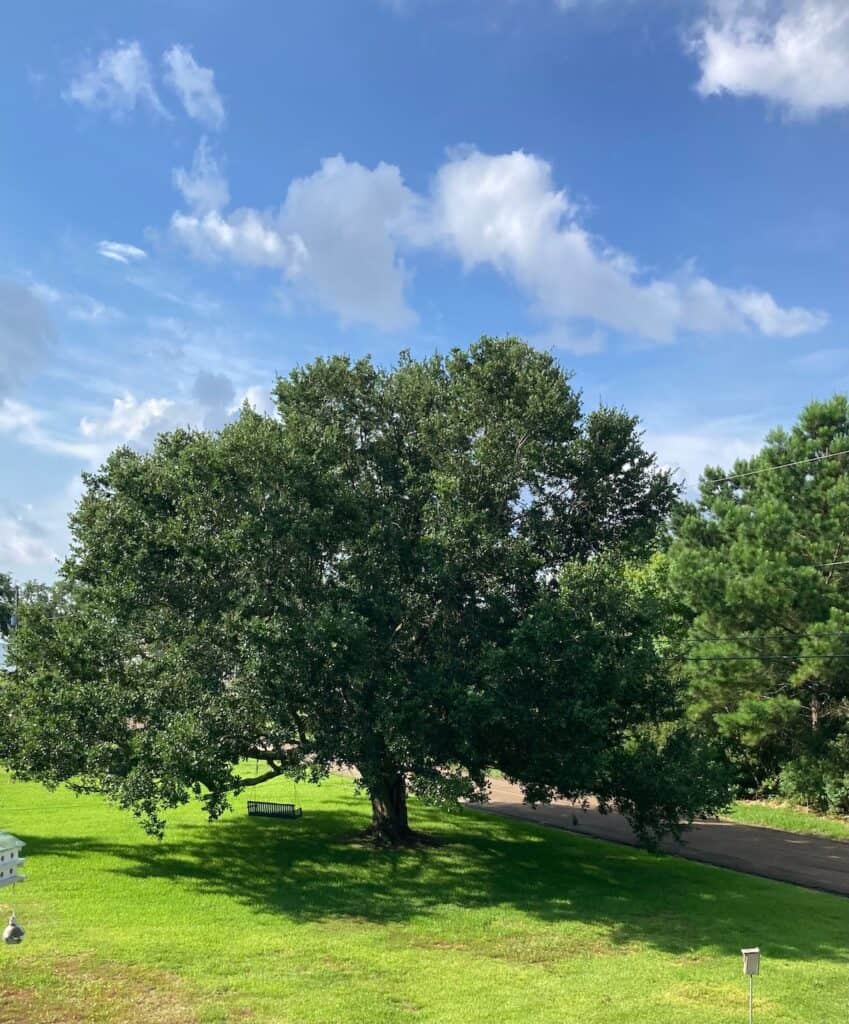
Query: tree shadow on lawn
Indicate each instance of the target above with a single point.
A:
(314, 869)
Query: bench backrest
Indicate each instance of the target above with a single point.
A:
(273, 810)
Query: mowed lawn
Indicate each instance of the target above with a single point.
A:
(774, 814)
(275, 921)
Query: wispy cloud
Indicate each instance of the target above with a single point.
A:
(715, 442)
(175, 292)
(34, 537)
(122, 79)
(204, 186)
(30, 426)
(194, 85)
(118, 82)
(121, 252)
(25, 543)
(75, 305)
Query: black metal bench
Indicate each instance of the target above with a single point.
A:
(264, 809)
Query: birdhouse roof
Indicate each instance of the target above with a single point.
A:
(10, 842)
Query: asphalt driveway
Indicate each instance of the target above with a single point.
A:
(811, 861)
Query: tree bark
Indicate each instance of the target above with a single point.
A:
(389, 810)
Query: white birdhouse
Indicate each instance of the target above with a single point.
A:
(751, 961)
(11, 860)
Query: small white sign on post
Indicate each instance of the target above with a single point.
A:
(751, 967)
(751, 960)
(11, 860)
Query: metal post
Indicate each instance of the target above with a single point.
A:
(751, 966)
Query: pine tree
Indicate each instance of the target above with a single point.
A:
(757, 561)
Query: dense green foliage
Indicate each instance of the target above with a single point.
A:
(416, 572)
(298, 923)
(755, 564)
(7, 603)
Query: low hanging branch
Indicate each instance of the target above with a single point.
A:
(257, 780)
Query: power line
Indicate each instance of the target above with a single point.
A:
(770, 657)
(783, 635)
(786, 465)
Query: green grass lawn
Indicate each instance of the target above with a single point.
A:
(791, 819)
(259, 920)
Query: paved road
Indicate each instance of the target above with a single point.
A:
(812, 861)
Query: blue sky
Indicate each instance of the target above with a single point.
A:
(196, 196)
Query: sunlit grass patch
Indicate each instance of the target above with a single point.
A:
(295, 921)
(775, 814)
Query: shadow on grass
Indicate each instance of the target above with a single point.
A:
(313, 869)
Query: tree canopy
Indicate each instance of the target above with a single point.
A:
(417, 571)
(757, 561)
(7, 603)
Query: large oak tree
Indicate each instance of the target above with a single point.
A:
(417, 572)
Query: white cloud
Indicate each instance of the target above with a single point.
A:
(24, 543)
(121, 252)
(27, 425)
(763, 311)
(504, 211)
(210, 403)
(204, 187)
(244, 236)
(26, 334)
(559, 336)
(335, 237)
(195, 86)
(44, 292)
(338, 239)
(165, 287)
(349, 219)
(570, 5)
(75, 305)
(712, 443)
(119, 82)
(15, 416)
(403, 6)
(129, 419)
(91, 311)
(258, 397)
(32, 539)
(792, 52)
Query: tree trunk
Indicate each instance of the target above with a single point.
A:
(389, 810)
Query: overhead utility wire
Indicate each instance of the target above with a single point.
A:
(786, 465)
(769, 657)
(786, 635)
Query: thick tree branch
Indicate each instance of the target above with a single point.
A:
(257, 780)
